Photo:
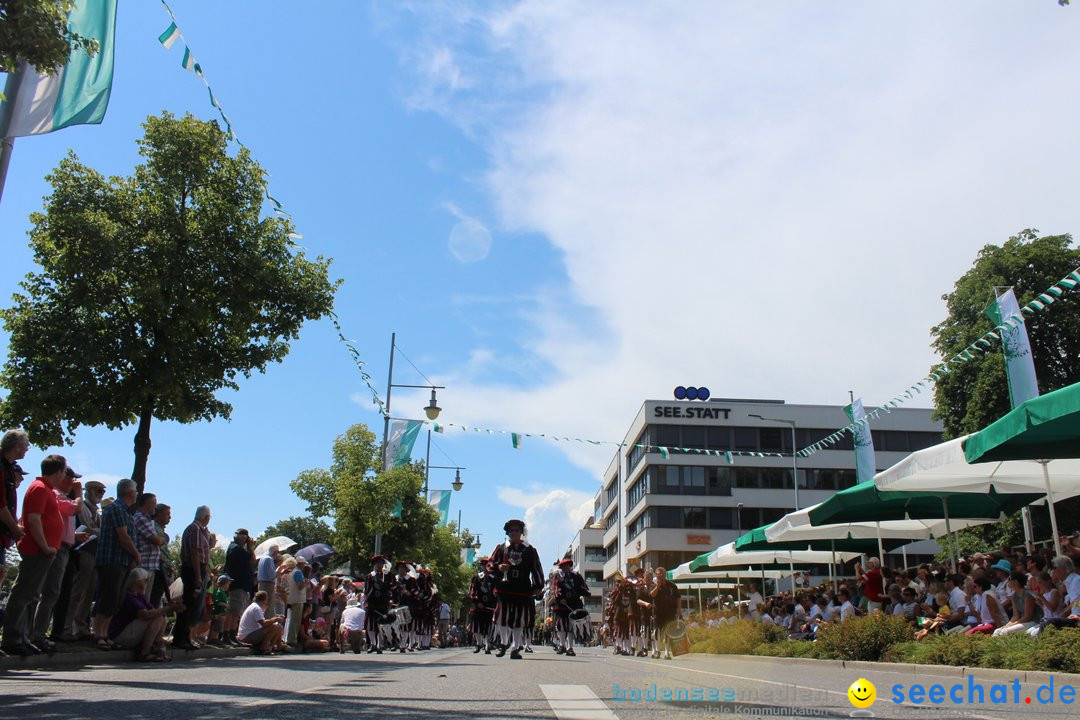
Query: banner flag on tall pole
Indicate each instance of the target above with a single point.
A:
(1019, 364)
(468, 556)
(399, 446)
(76, 94)
(864, 442)
(440, 500)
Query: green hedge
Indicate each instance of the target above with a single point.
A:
(878, 637)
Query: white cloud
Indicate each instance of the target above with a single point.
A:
(551, 516)
(767, 200)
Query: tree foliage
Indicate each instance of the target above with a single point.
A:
(37, 31)
(360, 501)
(155, 292)
(974, 394)
(305, 530)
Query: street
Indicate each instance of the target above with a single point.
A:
(455, 684)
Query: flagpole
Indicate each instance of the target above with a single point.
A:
(7, 146)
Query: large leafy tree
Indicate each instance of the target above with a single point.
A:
(155, 291)
(37, 31)
(361, 502)
(975, 393)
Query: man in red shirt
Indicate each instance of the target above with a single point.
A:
(44, 528)
(873, 586)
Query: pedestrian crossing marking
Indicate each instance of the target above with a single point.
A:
(576, 702)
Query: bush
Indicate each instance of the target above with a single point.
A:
(788, 648)
(739, 638)
(862, 638)
(1057, 649)
(961, 650)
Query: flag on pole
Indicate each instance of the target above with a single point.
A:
(440, 500)
(398, 507)
(468, 556)
(437, 427)
(516, 440)
(1019, 364)
(170, 36)
(189, 62)
(864, 442)
(77, 93)
(399, 446)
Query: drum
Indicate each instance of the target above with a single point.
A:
(403, 613)
(386, 618)
(675, 630)
(581, 626)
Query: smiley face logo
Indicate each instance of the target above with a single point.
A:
(862, 693)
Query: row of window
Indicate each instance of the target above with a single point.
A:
(718, 480)
(763, 439)
(701, 518)
(595, 553)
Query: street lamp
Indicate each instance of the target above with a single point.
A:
(432, 411)
(794, 456)
(738, 519)
(457, 484)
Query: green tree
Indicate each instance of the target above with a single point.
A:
(974, 394)
(360, 501)
(37, 31)
(155, 292)
(305, 530)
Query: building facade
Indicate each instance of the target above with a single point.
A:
(662, 508)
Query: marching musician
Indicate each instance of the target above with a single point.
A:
(569, 592)
(644, 585)
(482, 595)
(405, 595)
(520, 579)
(667, 606)
(380, 589)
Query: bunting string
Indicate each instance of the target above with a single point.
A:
(169, 38)
(983, 345)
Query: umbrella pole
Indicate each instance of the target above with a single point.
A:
(1050, 507)
(701, 608)
(948, 531)
(738, 587)
(832, 565)
(903, 550)
(880, 545)
(791, 566)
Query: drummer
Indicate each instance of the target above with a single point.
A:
(521, 578)
(405, 596)
(667, 606)
(380, 587)
(570, 590)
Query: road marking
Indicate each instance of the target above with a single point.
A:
(576, 702)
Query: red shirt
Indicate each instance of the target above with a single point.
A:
(41, 499)
(873, 589)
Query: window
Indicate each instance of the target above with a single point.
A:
(637, 491)
(611, 549)
(746, 478)
(720, 518)
(668, 479)
(749, 518)
(772, 439)
(771, 515)
(594, 576)
(718, 480)
(694, 517)
(693, 480)
(639, 524)
(641, 446)
(610, 493)
(611, 520)
(775, 478)
(719, 438)
(746, 438)
(666, 435)
(595, 553)
(693, 436)
(667, 517)
(846, 478)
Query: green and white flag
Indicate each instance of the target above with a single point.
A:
(399, 446)
(440, 500)
(170, 36)
(468, 556)
(189, 62)
(77, 93)
(864, 441)
(515, 438)
(1019, 365)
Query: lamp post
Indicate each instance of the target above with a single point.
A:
(794, 447)
(738, 520)
(432, 411)
(457, 484)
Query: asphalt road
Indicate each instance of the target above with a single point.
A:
(458, 685)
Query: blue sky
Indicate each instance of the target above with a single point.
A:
(563, 209)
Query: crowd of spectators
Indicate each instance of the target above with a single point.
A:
(1000, 593)
(99, 571)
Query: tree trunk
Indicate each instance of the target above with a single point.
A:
(142, 444)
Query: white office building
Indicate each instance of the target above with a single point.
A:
(663, 511)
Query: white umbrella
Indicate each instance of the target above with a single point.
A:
(683, 573)
(944, 468)
(726, 556)
(283, 544)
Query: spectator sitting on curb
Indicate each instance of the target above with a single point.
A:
(139, 626)
(263, 634)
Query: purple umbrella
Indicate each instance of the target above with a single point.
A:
(315, 553)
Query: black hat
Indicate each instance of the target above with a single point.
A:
(512, 523)
(378, 559)
(72, 474)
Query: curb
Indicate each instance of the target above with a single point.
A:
(109, 657)
(956, 671)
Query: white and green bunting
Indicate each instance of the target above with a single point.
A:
(440, 500)
(864, 442)
(399, 445)
(170, 36)
(1019, 364)
(78, 93)
(515, 438)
